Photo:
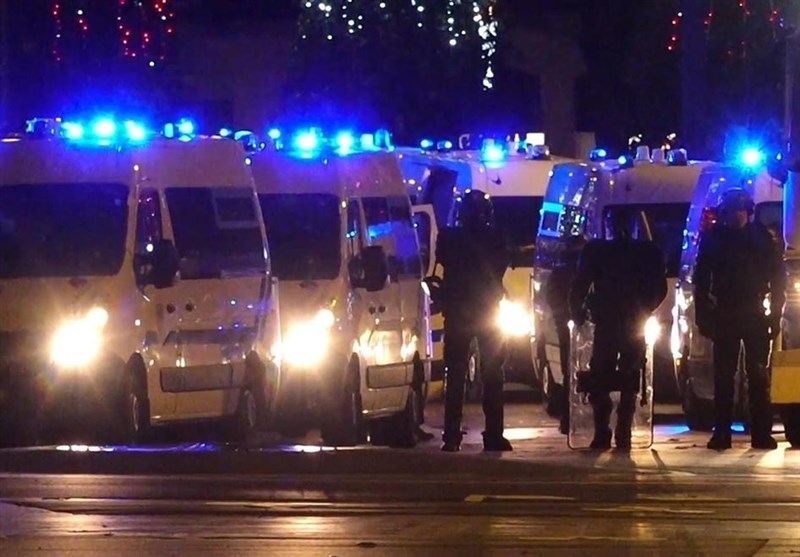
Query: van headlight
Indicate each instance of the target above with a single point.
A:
(77, 342)
(652, 330)
(513, 319)
(306, 343)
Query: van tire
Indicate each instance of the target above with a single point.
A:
(699, 413)
(342, 421)
(474, 382)
(401, 430)
(248, 416)
(135, 426)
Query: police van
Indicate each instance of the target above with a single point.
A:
(692, 352)
(356, 342)
(660, 189)
(135, 284)
(515, 175)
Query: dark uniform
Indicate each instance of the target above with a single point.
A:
(738, 266)
(628, 281)
(475, 258)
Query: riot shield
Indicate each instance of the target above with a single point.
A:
(581, 416)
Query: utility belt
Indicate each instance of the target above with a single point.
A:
(590, 381)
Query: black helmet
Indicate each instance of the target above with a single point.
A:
(736, 199)
(620, 223)
(475, 211)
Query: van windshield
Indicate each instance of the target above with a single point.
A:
(217, 232)
(518, 219)
(303, 231)
(62, 230)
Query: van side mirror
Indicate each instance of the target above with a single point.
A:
(166, 264)
(370, 269)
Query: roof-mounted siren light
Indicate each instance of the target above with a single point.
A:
(642, 155)
(677, 157)
(383, 139)
(444, 145)
(538, 152)
(367, 142)
(598, 155)
(43, 127)
(427, 144)
(248, 140)
(491, 151)
(659, 156)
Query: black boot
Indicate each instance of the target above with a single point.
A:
(721, 440)
(601, 405)
(496, 442)
(764, 443)
(625, 412)
(452, 442)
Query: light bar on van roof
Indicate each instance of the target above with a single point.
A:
(312, 142)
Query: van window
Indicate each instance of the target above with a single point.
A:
(216, 232)
(422, 222)
(62, 230)
(666, 222)
(148, 232)
(405, 236)
(304, 234)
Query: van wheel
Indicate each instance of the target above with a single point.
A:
(342, 419)
(552, 393)
(400, 430)
(247, 417)
(136, 413)
(699, 412)
(474, 383)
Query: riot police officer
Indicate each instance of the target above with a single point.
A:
(474, 257)
(627, 278)
(739, 266)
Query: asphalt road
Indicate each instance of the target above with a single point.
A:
(301, 499)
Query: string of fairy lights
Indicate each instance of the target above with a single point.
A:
(774, 14)
(347, 18)
(144, 27)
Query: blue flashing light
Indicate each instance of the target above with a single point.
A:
(426, 144)
(185, 127)
(73, 130)
(135, 131)
(104, 128)
(598, 154)
(752, 157)
(307, 141)
(345, 142)
(367, 141)
(493, 153)
(445, 145)
(622, 159)
(225, 132)
(274, 134)
(738, 428)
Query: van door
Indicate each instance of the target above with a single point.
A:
(153, 318)
(220, 299)
(427, 233)
(387, 374)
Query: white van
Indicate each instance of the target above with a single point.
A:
(578, 197)
(691, 351)
(135, 286)
(516, 183)
(356, 347)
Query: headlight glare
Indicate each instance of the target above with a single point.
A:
(77, 342)
(652, 330)
(306, 344)
(513, 320)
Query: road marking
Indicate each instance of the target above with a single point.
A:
(686, 497)
(645, 509)
(484, 498)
